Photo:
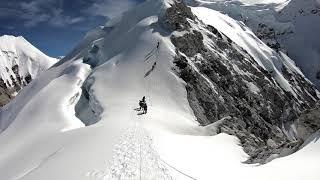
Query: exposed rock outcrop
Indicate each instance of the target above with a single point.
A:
(224, 82)
(9, 90)
(176, 17)
(270, 36)
(281, 26)
(308, 123)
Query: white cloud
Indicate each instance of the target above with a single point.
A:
(50, 11)
(33, 20)
(75, 20)
(6, 12)
(60, 20)
(110, 8)
(59, 13)
(31, 7)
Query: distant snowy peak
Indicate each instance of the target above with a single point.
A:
(20, 63)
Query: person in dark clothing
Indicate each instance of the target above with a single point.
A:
(153, 66)
(142, 102)
(143, 105)
(140, 105)
(158, 45)
(145, 108)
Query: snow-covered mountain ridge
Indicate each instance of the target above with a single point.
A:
(217, 97)
(287, 25)
(20, 63)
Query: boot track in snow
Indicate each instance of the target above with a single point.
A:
(134, 158)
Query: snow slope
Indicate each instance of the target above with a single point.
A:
(20, 63)
(280, 21)
(43, 138)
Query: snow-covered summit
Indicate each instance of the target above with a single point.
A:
(217, 96)
(23, 53)
(20, 63)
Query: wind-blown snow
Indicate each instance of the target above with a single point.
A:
(44, 139)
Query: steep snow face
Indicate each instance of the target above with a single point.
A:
(100, 82)
(281, 25)
(20, 63)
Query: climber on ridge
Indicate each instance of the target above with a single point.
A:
(143, 105)
(153, 66)
(152, 52)
(141, 102)
(158, 45)
(145, 108)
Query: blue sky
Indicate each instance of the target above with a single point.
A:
(55, 26)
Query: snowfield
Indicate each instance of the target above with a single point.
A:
(44, 140)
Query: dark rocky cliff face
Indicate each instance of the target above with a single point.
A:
(8, 89)
(225, 82)
(308, 123)
(281, 27)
